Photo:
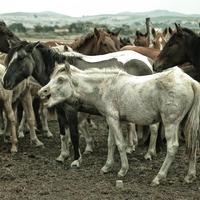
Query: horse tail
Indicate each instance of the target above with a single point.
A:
(191, 129)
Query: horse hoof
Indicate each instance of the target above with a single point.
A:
(48, 134)
(122, 173)
(76, 163)
(13, 150)
(155, 182)
(87, 152)
(148, 157)
(21, 134)
(130, 150)
(60, 159)
(190, 178)
(105, 169)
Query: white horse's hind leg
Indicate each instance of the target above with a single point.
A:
(152, 145)
(111, 149)
(191, 175)
(114, 127)
(64, 154)
(171, 135)
(132, 139)
(83, 127)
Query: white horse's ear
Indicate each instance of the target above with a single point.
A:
(67, 68)
(68, 48)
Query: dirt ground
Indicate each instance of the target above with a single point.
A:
(35, 175)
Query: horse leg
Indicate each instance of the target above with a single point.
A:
(28, 109)
(44, 121)
(72, 117)
(191, 175)
(2, 123)
(171, 135)
(152, 145)
(83, 127)
(114, 127)
(132, 139)
(12, 122)
(110, 158)
(64, 136)
(22, 125)
(36, 108)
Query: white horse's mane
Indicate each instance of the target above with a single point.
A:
(106, 71)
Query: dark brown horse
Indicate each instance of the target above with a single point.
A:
(7, 38)
(182, 47)
(95, 43)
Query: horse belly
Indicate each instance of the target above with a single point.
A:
(138, 105)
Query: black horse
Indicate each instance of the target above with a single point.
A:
(39, 61)
(182, 47)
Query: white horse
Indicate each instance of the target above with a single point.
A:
(166, 96)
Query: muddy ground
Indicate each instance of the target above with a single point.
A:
(34, 174)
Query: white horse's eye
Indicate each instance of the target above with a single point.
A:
(60, 80)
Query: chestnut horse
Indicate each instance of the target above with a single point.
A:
(159, 38)
(96, 43)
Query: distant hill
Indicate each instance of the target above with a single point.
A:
(128, 18)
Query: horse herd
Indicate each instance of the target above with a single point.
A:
(120, 83)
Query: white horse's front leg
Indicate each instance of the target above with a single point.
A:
(44, 120)
(152, 145)
(65, 153)
(115, 128)
(110, 158)
(171, 135)
(132, 139)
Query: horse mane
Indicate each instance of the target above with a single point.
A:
(79, 42)
(5, 31)
(189, 31)
(13, 50)
(50, 57)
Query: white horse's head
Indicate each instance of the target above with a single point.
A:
(59, 88)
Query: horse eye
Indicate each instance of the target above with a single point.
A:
(60, 80)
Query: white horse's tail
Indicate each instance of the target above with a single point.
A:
(191, 128)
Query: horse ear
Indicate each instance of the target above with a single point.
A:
(137, 33)
(117, 32)
(153, 32)
(11, 44)
(178, 28)
(31, 46)
(67, 67)
(170, 30)
(165, 32)
(96, 32)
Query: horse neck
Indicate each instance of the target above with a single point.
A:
(41, 73)
(87, 48)
(87, 89)
(194, 52)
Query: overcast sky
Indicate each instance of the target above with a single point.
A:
(79, 8)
